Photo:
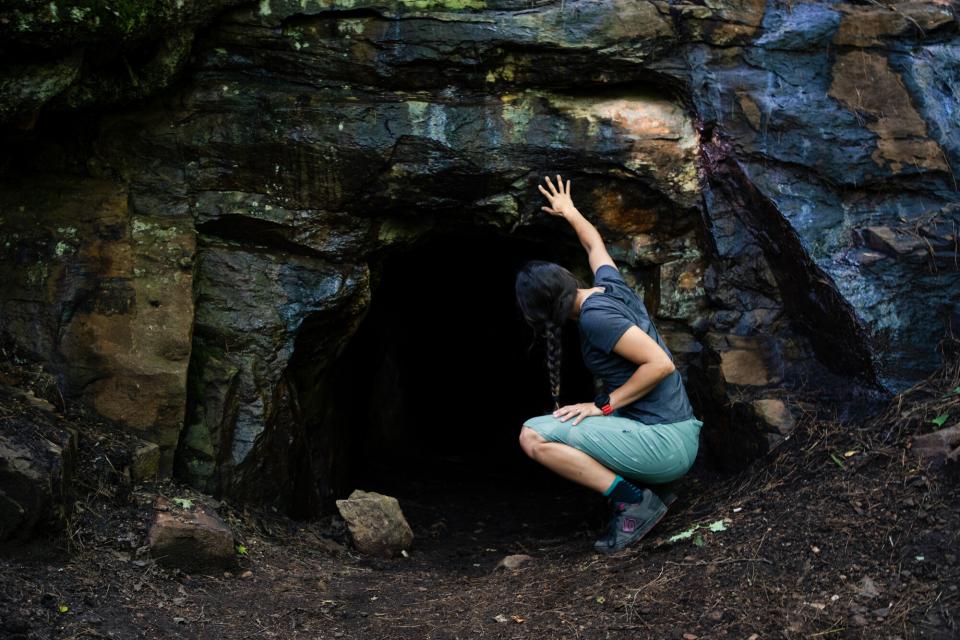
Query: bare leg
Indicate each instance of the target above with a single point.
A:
(566, 461)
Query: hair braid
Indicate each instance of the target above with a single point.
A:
(554, 350)
(546, 294)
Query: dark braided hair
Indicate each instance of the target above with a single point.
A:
(545, 294)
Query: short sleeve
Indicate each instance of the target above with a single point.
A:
(607, 273)
(610, 278)
(603, 327)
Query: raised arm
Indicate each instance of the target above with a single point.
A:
(561, 204)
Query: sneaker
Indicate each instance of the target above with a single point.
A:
(631, 521)
(668, 498)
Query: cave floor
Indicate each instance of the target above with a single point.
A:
(818, 542)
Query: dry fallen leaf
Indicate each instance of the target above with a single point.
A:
(517, 619)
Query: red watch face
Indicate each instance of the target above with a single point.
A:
(607, 409)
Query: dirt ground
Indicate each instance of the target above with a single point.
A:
(840, 533)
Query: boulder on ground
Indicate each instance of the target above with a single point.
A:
(36, 461)
(376, 523)
(190, 537)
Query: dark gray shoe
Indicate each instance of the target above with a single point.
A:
(631, 521)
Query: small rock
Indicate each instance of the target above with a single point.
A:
(938, 446)
(247, 574)
(716, 616)
(513, 561)
(190, 539)
(867, 588)
(858, 620)
(376, 523)
(776, 414)
(501, 618)
(892, 242)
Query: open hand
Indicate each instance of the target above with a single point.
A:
(559, 197)
(581, 411)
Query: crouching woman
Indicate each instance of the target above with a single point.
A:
(641, 430)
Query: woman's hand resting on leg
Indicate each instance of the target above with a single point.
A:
(581, 411)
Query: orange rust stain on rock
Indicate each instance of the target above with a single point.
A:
(865, 26)
(620, 216)
(688, 280)
(865, 83)
(750, 110)
(723, 23)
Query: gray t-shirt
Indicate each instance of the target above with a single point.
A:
(604, 318)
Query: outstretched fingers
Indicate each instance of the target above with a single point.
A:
(553, 189)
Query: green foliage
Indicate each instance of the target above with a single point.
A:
(693, 532)
(940, 419)
(717, 526)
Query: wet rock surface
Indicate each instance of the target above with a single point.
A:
(777, 180)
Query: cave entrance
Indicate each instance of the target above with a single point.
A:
(431, 390)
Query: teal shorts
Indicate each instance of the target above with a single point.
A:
(648, 453)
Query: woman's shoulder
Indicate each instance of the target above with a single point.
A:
(607, 273)
(617, 293)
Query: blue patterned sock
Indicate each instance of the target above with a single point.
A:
(621, 490)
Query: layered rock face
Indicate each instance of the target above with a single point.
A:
(776, 180)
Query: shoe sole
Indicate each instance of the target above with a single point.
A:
(668, 498)
(642, 533)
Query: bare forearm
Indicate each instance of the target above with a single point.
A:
(644, 379)
(587, 234)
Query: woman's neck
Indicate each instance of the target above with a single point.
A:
(583, 294)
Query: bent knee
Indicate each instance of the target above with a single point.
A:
(529, 440)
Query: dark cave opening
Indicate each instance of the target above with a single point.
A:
(426, 399)
(432, 389)
(443, 370)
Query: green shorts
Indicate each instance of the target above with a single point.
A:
(648, 453)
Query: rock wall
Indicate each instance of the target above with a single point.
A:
(777, 178)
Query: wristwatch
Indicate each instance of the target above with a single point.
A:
(603, 402)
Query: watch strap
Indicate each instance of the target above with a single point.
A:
(603, 403)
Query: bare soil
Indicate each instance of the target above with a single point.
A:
(840, 533)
